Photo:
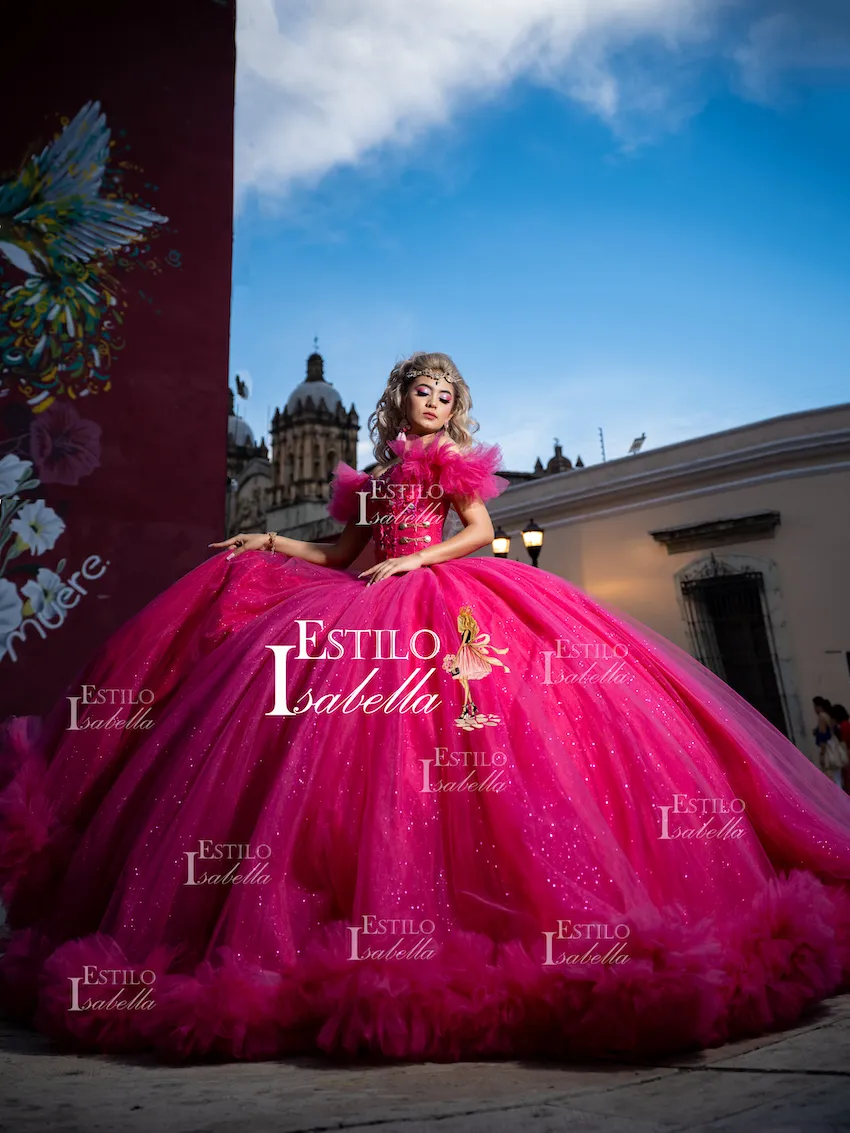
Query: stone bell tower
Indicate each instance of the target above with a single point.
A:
(309, 436)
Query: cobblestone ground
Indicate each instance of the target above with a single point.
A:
(795, 1081)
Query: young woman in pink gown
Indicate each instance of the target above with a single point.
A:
(446, 808)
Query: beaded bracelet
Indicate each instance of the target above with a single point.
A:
(271, 544)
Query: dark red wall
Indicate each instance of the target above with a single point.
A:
(147, 495)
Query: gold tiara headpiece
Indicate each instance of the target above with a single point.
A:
(430, 374)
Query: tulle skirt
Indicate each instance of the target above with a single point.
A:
(275, 815)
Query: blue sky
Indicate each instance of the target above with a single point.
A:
(661, 247)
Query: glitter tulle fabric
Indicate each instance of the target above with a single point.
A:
(463, 812)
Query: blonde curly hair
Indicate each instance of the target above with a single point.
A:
(387, 419)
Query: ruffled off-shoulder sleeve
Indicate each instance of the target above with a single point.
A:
(471, 472)
(347, 482)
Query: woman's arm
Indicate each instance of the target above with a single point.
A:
(477, 533)
(340, 554)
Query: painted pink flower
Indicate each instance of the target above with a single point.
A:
(63, 445)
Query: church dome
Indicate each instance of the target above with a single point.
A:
(314, 387)
(559, 462)
(319, 391)
(239, 431)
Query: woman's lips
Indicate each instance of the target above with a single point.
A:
(433, 416)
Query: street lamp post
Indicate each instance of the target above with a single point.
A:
(501, 543)
(532, 536)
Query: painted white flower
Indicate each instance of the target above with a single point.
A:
(13, 471)
(11, 607)
(42, 592)
(11, 611)
(37, 526)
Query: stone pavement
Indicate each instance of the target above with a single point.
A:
(794, 1082)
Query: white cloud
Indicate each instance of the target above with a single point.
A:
(324, 83)
(807, 36)
(320, 84)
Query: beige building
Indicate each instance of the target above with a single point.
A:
(735, 546)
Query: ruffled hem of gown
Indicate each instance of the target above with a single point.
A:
(687, 988)
(682, 986)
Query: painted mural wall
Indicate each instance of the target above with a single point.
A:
(116, 186)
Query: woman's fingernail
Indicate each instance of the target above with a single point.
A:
(229, 556)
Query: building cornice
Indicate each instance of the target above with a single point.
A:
(716, 532)
(571, 496)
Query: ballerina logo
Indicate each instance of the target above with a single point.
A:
(135, 718)
(83, 999)
(594, 944)
(395, 938)
(702, 822)
(485, 772)
(585, 663)
(237, 874)
(473, 661)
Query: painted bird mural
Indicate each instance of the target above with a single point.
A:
(59, 326)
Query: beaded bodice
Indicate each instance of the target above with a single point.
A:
(405, 516)
(407, 504)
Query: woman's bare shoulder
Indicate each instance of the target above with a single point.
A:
(452, 446)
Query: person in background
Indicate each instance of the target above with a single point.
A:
(842, 723)
(833, 758)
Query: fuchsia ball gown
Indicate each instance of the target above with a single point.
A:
(463, 812)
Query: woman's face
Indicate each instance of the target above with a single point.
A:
(429, 404)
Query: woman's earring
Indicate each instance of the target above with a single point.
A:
(405, 425)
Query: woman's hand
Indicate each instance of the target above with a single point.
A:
(241, 543)
(401, 565)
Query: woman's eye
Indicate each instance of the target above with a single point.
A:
(425, 391)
